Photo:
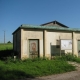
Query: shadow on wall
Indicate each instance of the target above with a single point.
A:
(55, 50)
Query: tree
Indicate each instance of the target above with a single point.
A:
(9, 42)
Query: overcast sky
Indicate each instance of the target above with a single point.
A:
(13, 13)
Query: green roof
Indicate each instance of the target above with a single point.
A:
(24, 26)
(48, 27)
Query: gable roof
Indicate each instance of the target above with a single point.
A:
(55, 22)
(24, 26)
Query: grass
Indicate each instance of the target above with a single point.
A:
(6, 46)
(31, 68)
(11, 70)
(69, 57)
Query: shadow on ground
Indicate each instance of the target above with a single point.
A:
(13, 74)
(5, 54)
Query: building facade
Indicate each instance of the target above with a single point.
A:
(31, 41)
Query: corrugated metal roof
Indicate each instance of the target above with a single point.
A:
(25, 26)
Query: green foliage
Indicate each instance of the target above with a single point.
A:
(9, 42)
(14, 69)
(69, 57)
(6, 46)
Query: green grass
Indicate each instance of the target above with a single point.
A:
(69, 57)
(32, 68)
(6, 46)
(11, 70)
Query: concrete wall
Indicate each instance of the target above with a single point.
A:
(51, 39)
(17, 42)
(76, 38)
(47, 41)
(52, 36)
(26, 36)
(14, 41)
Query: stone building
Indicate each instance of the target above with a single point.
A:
(47, 40)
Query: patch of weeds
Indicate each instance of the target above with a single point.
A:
(68, 57)
(32, 68)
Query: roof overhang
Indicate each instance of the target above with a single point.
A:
(24, 26)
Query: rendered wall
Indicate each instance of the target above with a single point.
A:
(14, 41)
(51, 38)
(17, 42)
(77, 37)
(26, 36)
(21, 41)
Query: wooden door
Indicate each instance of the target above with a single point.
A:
(34, 48)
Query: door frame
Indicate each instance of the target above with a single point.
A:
(38, 47)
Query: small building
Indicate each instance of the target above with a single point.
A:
(47, 40)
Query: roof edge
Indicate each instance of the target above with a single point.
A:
(53, 22)
(16, 30)
(24, 26)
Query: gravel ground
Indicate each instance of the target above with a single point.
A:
(73, 75)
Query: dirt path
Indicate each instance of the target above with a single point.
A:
(74, 75)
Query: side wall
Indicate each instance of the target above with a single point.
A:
(17, 42)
